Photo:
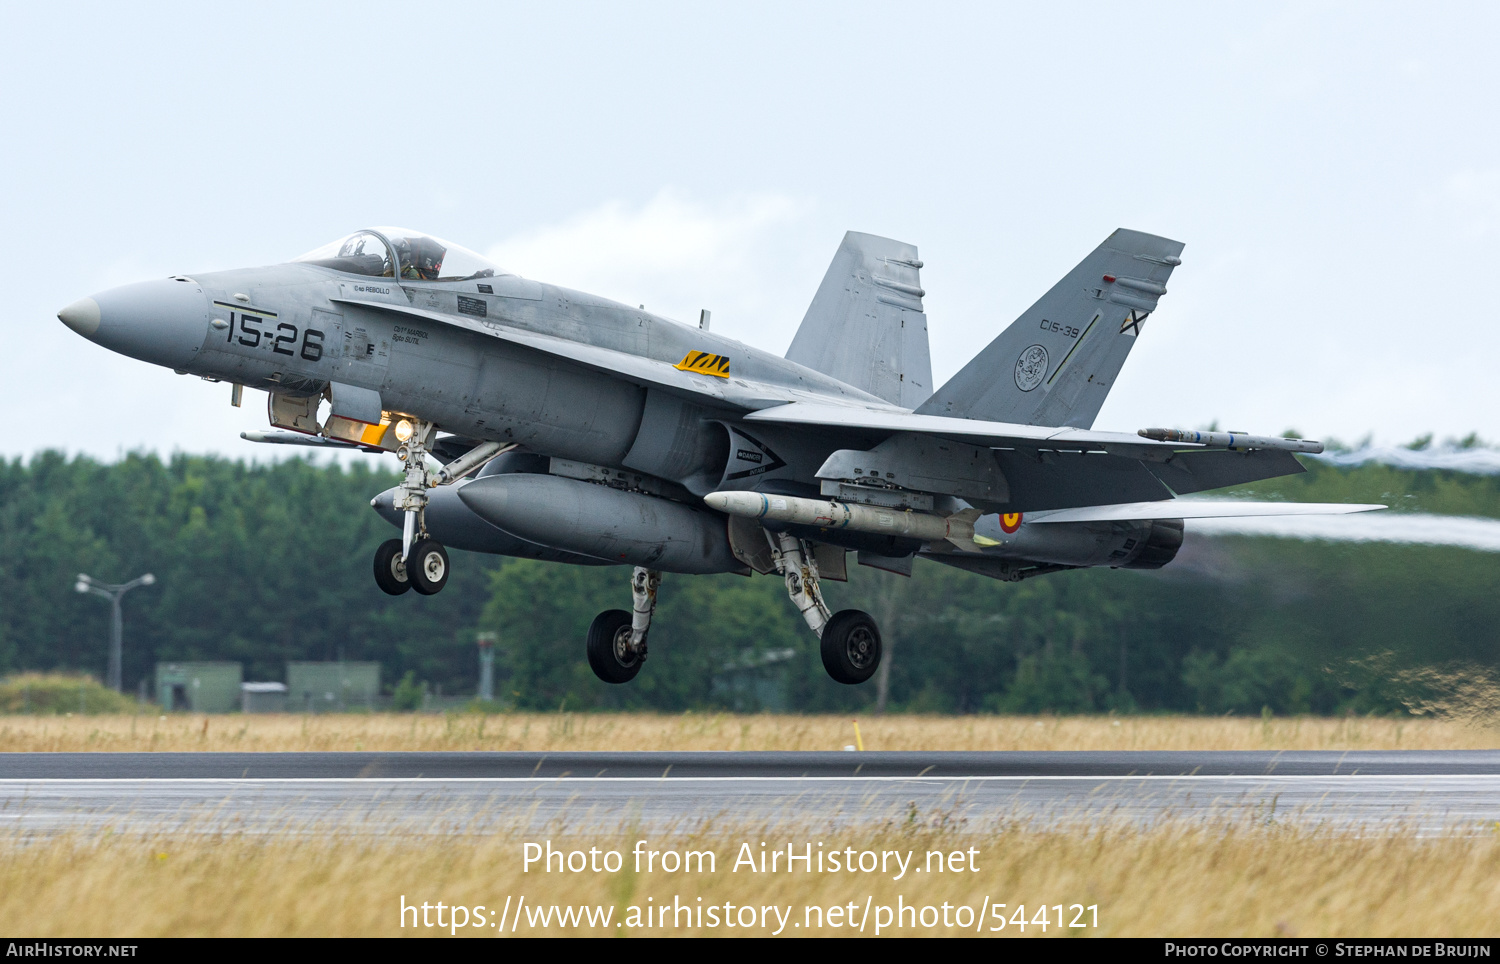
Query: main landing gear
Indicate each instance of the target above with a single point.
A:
(617, 639)
(849, 640)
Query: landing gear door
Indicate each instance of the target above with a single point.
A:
(747, 540)
(356, 415)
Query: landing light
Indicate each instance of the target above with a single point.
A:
(403, 430)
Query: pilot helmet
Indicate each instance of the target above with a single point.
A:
(426, 255)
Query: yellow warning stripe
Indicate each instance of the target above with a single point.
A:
(704, 363)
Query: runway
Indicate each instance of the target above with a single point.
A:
(1425, 792)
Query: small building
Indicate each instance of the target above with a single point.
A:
(199, 687)
(332, 687)
(756, 682)
(263, 697)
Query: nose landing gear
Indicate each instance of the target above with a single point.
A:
(416, 560)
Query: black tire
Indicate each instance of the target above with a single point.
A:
(427, 567)
(390, 572)
(851, 646)
(609, 634)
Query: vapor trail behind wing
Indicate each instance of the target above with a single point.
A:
(1476, 461)
(1404, 527)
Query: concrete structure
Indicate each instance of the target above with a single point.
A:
(263, 697)
(199, 687)
(331, 687)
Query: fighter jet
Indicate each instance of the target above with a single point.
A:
(536, 421)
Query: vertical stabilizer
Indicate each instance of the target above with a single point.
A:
(1056, 363)
(866, 326)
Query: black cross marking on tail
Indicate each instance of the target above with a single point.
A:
(1133, 322)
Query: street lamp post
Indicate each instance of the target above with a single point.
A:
(113, 593)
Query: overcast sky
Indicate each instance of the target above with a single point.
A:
(1334, 170)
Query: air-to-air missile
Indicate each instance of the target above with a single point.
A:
(1234, 441)
(831, 515)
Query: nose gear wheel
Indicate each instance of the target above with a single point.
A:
(390, 569)
(427, 567)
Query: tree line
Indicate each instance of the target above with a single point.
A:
(268, 562)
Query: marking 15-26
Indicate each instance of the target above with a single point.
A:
(256, 331)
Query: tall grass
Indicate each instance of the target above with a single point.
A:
(1170, 881)
(553, 732)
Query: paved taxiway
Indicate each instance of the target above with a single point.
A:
(1429, 792)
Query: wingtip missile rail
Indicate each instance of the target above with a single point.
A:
(1234, 441)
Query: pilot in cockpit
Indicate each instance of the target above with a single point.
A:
(421, 258)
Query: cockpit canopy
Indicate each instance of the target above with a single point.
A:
(399, 252)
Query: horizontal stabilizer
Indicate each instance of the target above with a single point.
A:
(1199, 470)
(1192, 509)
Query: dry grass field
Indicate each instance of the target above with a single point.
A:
(1243, 878)
(1166, 882)
(694, 731)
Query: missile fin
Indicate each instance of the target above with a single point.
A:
(961, 529)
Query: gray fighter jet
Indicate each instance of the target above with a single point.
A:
(536, 421)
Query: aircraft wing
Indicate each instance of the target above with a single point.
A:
(1192, 509)
(1003, 434)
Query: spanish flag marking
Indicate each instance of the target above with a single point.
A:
(1010, 521)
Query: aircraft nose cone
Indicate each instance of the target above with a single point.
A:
(162, 322)
(82, 316)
